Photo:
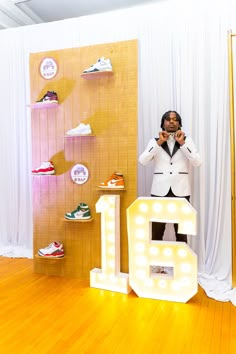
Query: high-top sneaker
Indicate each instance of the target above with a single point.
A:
(116, 181)
(82, 212)
(102, 64)
(49, 97)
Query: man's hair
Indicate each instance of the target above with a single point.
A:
(167, 115)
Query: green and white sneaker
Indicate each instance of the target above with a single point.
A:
(82, 212)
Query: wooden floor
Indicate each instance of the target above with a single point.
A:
(42, 314)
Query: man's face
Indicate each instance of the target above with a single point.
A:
(171, 124)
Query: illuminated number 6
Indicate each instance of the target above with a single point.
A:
(145, 253)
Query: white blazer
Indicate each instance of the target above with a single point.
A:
(171, 170)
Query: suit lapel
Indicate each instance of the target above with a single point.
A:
(166, 148)
(176, 148)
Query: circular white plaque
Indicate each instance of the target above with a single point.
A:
(79, 174)
(48, 68)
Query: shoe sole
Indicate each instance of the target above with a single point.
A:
(96, 71)
(43, 102)
(43, 173)
(41, 255)
(115, 187)
(78, 133)
(85, 218)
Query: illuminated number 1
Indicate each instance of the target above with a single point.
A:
(109, 277)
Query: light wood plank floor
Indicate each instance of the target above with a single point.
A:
(46, 315)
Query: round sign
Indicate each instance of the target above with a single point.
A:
(48, 68)
(79, 174)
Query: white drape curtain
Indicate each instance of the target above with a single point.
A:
(183, 65)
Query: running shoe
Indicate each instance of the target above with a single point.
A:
(81, 129)
(82, 212)
(54, 250)
(49, 97)
(46, 168)
(102, 64)
(116, 181)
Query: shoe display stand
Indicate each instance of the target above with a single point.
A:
(42, 105)
(114, 190)
(107, 101)
(78, 220)
(96, 75)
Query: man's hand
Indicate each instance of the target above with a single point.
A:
(163, 136)
(179, 137)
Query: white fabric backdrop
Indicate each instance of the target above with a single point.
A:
(182, 66)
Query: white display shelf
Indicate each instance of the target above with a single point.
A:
(37, 256)
(78, 220)
(39, 105)
(111, 189)
(96, 75)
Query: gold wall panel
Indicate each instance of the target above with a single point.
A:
(109, 105)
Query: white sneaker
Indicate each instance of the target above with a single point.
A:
(102, 64)
(81, 129)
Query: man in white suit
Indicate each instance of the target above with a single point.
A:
(172, 153)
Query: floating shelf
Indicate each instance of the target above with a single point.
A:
(78, 220)
(111, 189)
(39, 105)
(49, 258)
(96, 75)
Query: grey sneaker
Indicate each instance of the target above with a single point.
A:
(102, 64)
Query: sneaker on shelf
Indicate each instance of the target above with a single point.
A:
(54, 250)
(49, 97)
(82, 212)
(81, 129)
(46, 168)
(116, 181)
(102, 64)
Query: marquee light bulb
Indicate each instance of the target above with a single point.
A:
(139, 220)
(143, 207)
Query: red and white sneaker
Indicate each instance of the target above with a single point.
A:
(46, 168)
(54, 250)
(116, 181)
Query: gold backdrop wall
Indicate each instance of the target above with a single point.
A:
(109, 105)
